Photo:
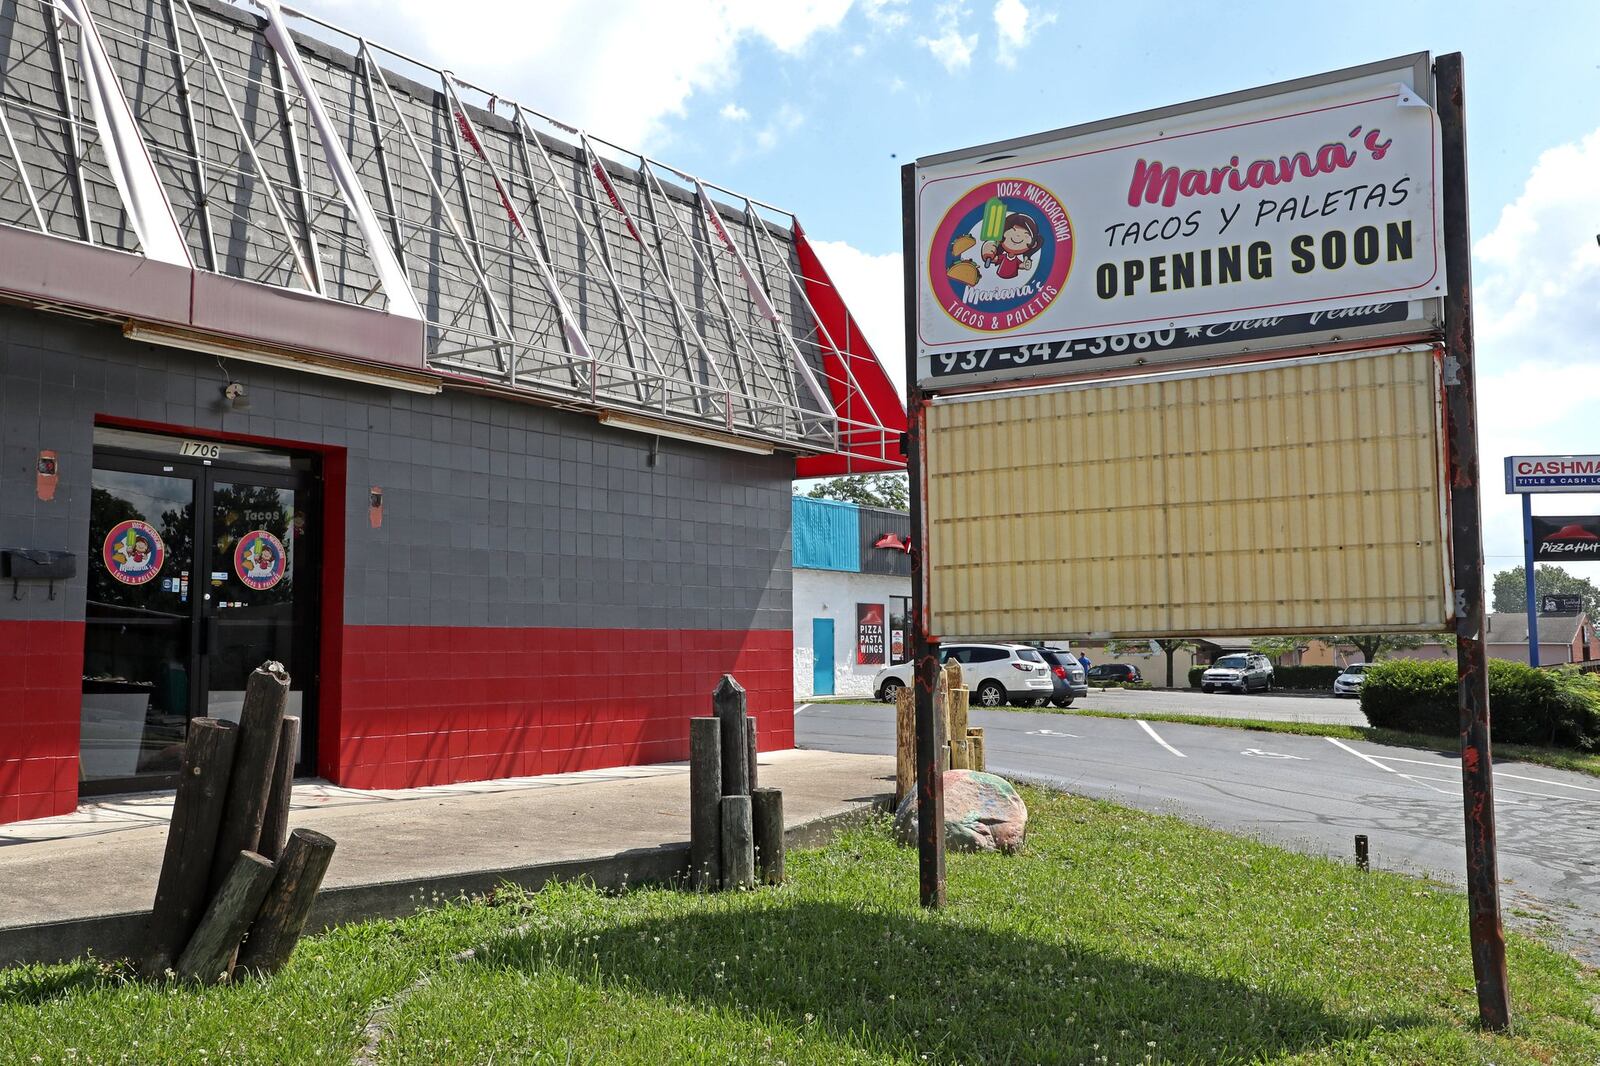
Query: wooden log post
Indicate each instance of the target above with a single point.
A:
(729, 703)
(941, 720)
(209, 956)
(738, 844)
(978, 758)
(260, 725)
(905, 743)
(766, 813)
(705, 803)
(959, 697)
(283, 913)
(750, 752)
(960, 757)
(275, 823)
(191, 838)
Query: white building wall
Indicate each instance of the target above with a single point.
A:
(834, 594)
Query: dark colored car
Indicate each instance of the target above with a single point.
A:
(1070, 681)
(1115, 674)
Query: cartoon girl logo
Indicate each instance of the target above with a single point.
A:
(1001, 255)
(259, 560)
(133, 552)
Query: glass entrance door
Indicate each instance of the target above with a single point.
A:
(250, 610)
(199, 571)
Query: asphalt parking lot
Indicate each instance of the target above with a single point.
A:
(1312, 794)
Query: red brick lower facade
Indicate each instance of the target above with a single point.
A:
(428, 706)
(41, 673)
(418, 706)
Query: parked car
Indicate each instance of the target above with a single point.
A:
(1115, 674)
(994, 673)
(1070, 679)
(1240, 672)
(1349, 682)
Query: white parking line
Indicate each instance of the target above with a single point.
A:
(1158, 739)
(803, 708)
(1379, 765)
(1499, 774)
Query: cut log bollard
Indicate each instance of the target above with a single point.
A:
(738, 844)
(958, 699)
(766, 814)
(905, 743)
(288, 902)
(977, 759)
(275, 823)
(960, 754)
(729, 702)
(191, 840)
(705, 803)
(941, 718)
(1361, 851)
(260, 724)
(750, 752)
(208, 958)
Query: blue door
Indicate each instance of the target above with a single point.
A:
(822, 656)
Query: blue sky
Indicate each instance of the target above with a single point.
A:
(814, 104)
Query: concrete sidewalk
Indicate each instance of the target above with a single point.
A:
(85, 882)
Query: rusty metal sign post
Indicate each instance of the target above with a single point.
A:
(924, 645)
(1461, 429)
(1462, 466)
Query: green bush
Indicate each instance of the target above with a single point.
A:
(1194, 675)
(1526, 706)
(1305, 678)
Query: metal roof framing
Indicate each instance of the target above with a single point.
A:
(291, 153)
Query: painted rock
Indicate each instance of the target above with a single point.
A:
(982, 812)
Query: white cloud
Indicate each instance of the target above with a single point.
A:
(620, 74)
(873, 289)
(1012, 21)
(952, 48)
(887, 14)
(734, 113)
(1537, 293)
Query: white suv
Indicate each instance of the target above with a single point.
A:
(1238, 672)
(994, 673)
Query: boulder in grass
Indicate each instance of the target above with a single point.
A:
(982, 812)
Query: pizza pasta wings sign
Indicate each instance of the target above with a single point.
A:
(1298, 207)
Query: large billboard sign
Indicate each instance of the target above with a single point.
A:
(1553, 473)
(1259, 221)
(1304, 496)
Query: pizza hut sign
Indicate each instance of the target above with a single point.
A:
(1566, 537)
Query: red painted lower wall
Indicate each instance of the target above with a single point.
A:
(41, 679)
(434, 705)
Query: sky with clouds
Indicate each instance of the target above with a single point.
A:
(814, 105)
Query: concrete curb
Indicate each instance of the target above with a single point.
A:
(121, 935)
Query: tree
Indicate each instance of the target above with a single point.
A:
(867, 490)
(1511, 588)
(1276, 648)
(1372, 645)
(1170, 646)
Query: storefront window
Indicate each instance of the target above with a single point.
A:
(899, 629)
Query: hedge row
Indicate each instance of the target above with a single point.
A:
(1529, 706)
(1297, 678)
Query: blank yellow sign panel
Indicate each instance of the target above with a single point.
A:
(1300, 497)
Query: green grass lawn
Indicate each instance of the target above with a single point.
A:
(1117, 937)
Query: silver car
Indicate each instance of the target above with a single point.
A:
(1349, 682)
(1239, 672)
